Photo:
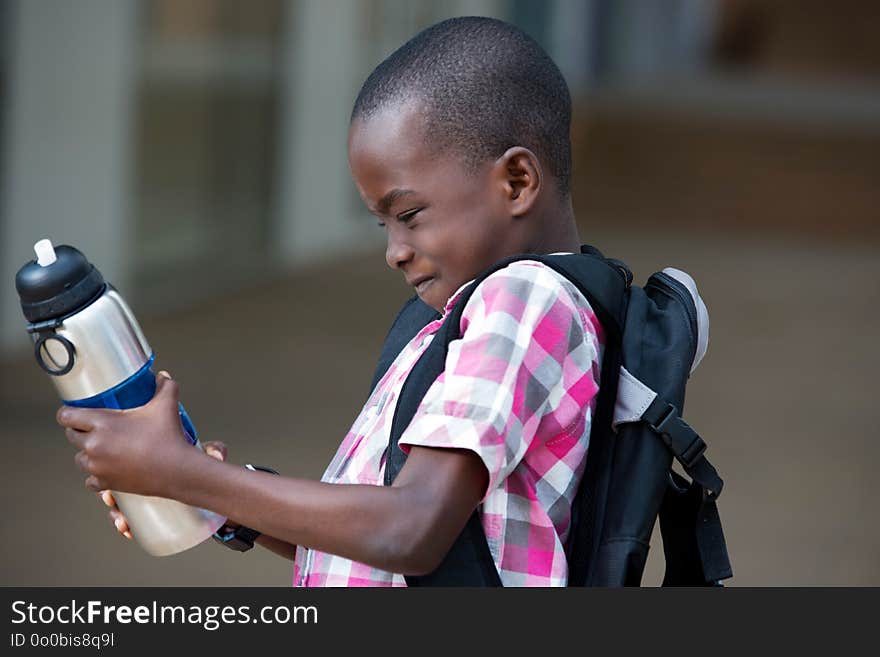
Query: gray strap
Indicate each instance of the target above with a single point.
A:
(633, 399)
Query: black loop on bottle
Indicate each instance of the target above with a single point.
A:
(68, 347)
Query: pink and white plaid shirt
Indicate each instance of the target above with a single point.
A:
(519, 390)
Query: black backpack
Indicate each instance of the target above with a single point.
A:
(655, 335)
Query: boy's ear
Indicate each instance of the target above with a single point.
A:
(520, 174)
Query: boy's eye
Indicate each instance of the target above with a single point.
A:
(409, 214)
(381, 224)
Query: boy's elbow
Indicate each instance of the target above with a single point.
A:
(426, 521)
(413, 548)
(419, 562)
(415, 564)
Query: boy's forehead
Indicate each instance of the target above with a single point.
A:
(393, 136)
(389, 151)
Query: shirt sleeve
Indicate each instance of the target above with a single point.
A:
(523, 372)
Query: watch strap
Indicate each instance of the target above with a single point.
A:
(241, 538)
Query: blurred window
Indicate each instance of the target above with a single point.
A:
(206, 133)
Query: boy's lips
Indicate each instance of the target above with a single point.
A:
(421, 283)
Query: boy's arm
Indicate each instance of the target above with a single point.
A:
(405, 528)
(279, 547)
(218, 451)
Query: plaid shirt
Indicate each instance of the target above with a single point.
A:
(519, 390)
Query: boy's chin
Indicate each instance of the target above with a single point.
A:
(428, 300)
(433, 295)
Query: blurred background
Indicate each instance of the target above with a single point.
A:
(194, 150)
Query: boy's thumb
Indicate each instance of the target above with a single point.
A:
(167, 390)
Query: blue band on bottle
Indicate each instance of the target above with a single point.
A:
(136, 390)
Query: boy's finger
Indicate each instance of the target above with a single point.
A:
(82, 461)
(119, 521)
(76, 438)
(94, 484)
(122, 528)
(107, 497)
(82, 419)
(216, 449)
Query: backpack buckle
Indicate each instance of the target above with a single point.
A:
(676, 434)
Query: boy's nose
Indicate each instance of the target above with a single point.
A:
(397, 253)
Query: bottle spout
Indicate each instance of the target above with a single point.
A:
(45, 252)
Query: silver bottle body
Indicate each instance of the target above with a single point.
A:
(109, 348)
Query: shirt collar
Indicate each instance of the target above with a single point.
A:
(455, 295)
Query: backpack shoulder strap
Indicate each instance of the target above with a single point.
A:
(412, 318)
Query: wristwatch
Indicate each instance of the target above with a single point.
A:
(241, 538)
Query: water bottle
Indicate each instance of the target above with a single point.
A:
(89, 343)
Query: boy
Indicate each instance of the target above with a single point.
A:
(459, 144)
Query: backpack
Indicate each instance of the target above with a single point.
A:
(655, 336)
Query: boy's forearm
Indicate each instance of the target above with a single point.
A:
(281, 548)
(359, 522)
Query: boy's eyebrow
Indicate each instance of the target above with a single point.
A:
(388, 200)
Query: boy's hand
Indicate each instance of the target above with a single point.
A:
(212, 448)
(136, 450)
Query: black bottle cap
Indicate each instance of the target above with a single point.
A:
(59, 289)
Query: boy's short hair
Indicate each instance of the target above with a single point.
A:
(485, 85)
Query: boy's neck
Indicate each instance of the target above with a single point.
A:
(557, 231)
